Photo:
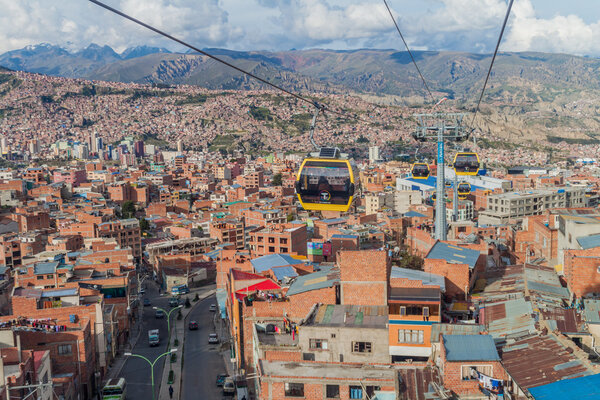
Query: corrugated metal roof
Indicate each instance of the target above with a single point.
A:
(265, 263)
(453, 254)
(414, 294)
(284, 272)
(508, 318)
(416, 275)
(470, 348)
(60, 292)
(414, 214)
(314, 281)
(45, 268)
(591, 313)
(540, 360)
(586, 387)
(589, 242)
(454, 329)
(350, 316)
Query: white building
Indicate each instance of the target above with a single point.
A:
(374, 154)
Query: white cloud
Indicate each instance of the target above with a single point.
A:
(78, 23)
(560, 34)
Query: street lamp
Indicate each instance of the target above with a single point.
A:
(128, 354)
(169, 320)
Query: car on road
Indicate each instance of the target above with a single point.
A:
(213, 338)
(142, 291)
(221, 379)
(173, 302)
(229, 386)
(159, 314)
(213, 308)
(147, 302)
(193, 325)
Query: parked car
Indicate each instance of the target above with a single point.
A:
(159, 314)
(213, 338)
(193, 325)
(147, 302)
(213, 308)
(221, 379)
(228, 386)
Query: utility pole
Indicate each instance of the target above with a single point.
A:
(448, 127)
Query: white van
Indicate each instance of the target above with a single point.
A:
(228, 386)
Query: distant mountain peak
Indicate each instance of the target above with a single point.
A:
(141, 51)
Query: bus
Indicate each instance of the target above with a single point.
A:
(179, 289)
(115, 389)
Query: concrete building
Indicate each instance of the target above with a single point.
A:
(126, 232)
(346, 333)
(403, 199)
(374, 154)
(375, 202)
(465, 211)
(514, 206)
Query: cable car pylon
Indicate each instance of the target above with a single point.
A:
(440, 127)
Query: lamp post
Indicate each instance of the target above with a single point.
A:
(127, 354)
(169, 321)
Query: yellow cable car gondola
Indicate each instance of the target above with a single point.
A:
(420, 170)
(464, 189)
(326, 182)
(466, 163)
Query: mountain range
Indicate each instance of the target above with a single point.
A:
(528, 76)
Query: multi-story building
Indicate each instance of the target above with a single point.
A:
(264, 217)
(465, 211)
(514, 206)
(229, 231)
(125, 231)
(279, 239)
(72, 176)
(375, 202)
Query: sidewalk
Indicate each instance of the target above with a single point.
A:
(179, 326)
(119, 361)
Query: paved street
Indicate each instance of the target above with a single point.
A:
(202, 361)
(137, 371)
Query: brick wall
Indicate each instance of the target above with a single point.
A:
(364, 276)
(581, 271)
(457, 275)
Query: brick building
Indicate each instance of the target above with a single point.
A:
(125, 231)
(279, 239)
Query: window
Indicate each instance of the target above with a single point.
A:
(411, 336)
(356, 392)
(271, 249)
(284, 249)
(260, 239)
(426, 311)
(467, 371)
(271, 240)
(361, 347)
(294, 389)
(402, 310)
(39, 277)
(64, 349)
(332, 392)
(283, 241)
(318, 344)
(371, 391)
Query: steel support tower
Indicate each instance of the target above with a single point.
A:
(440, 127)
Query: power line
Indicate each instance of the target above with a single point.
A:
(258, 78)
(407, 49)
(493, 59)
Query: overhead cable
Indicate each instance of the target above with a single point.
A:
(408, 50)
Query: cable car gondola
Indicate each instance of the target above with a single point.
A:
(448, 184)
(464, 189)
(420, 170)
(326, 182)
(466, 163)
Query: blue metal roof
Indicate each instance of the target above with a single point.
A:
(45, 268)
(414, 214)
(585, 387)
(470, 348)
(60, 292)
(338, 236)
(415, 275)
(333, 220)
(265, 263)
(317, 280)
(284, 272)
(453, 254)
(589, 242)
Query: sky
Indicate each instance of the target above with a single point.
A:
(556, 26)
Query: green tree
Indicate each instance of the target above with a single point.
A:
(277, 179)
(290, 217)
(128, 209)
(144, 224)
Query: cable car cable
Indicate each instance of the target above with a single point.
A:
(493, 59)
(258, 78)
(408, 50)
